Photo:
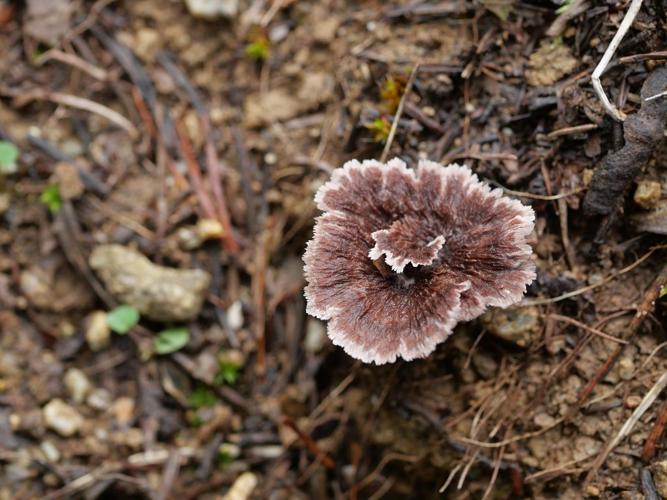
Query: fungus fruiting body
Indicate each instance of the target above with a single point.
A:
(399, 256)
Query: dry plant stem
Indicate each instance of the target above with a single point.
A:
(587, 328)
(642, 311)
(646, 403)
(23, 97)
(630, 15)
(399, 113)
(565, 233)
(194, 172)
(215, 177)
(579, 291)
(656, 434)
(74, 61)
(571, 130)
(309, 443)
(258, 287)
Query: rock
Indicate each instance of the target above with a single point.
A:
(47, 20)
(51, 453)
(316, 336)
(316, 88)
(98, 333)
(35, 283)
(549, 64)
(157, 292)
(77, 384)
(273, 106)
(324, 31)
(123, 410)
(654, 221)
(282, 104)
(147, 43)
(235, 315)
(62, 418)
(191, 237)
(242, 487)
(659, 470)
(212, 9)
(626, 368)
(99, 399)
(5, 202)
(647, 194)
(69, 182)
(519, 325)
(544, 420)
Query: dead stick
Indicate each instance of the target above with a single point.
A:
(310, 443)
(656, 433)
(399, 112)
(194, 172)
(644, 308)
(215, 178)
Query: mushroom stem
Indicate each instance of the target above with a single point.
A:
(382, 266)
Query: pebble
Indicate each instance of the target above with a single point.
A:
(544, 420)
(647, 194)
(159, 293)
(123, 410)
(99, 399)
(242, 488)
(235, 315)
(62, 418)
(50, 451)
(98, 333)
(77, 384)
(519, 326)
(659, 470)
(212, 9)
(626, 368)
(316, 336)
(69, 181)
(633, 401)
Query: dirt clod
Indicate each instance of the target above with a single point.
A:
(157, 292)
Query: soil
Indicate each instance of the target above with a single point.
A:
(200, 143)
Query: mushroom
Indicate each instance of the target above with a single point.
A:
(399, 256)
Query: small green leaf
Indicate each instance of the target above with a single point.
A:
(8, 156)
(202, 397)
(564, 7)
(51, 198)
(171, 340)
(122, 319)
(224, 458)
(258, 50)
(228, 373)
(663, 291)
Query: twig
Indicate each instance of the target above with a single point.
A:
(565, 234)
(579, 291)
(23, 97)
(399, 112)
(656, 434)
(571, 130)
(74, 61)
(505, 442)
(587, 328)
(642, 311)
(194, 172)
(630, 15)
(646, 403)
(310, 443)
(533, 196)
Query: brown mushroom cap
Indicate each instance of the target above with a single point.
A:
(399, 256)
